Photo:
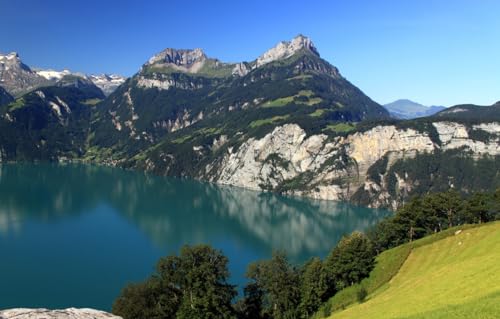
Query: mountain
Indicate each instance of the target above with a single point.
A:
(5, 97)
(50, 123)
(286, 49)
(286, 122)
(406, 109)
(176, 89)
(108, 83)
(16, 77)
(53, 76)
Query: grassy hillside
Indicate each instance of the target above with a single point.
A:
(454, 277)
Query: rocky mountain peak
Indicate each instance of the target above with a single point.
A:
(11, 60)
(16, 77)
(9, 57)
(185, 59)
(286, 49)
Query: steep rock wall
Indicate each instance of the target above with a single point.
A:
(288, 161)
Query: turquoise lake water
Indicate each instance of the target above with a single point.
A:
(73, 235)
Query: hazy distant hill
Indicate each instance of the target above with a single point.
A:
(406, 109)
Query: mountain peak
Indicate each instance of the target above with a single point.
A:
(407, 109)
(10, 56)
(286, 49)
(10, 59)
(180, 57)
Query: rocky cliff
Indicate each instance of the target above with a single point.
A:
(70, 313)
(16, 77)
(344, 167)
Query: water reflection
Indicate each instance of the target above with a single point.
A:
(172, 211)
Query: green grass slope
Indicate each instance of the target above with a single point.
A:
(457, 276)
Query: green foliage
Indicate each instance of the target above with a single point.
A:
(432, 173)
(350, 261)
(470, 113)
(340, 127)
(151, 299)
(271, 120)
(282, 101)
(251, 306)
(304, 97)
(216, 69)
(17, 104)
(279, 283)
(361, 294)
(379, 168)
(431, 213)
(92, 102)
(298, 182)
(39, 132)
(191, 285)
(482, 207)
(318, 112)
(313, 287)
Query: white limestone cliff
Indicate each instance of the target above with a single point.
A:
(336, 168)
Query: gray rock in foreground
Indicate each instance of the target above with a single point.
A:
(70, 313)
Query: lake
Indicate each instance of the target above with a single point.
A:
(73, 235)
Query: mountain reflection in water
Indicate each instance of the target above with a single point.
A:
(105, 208)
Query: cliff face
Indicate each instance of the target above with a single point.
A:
(70, 313)
(339, 168)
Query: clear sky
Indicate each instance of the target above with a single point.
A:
(434, 52)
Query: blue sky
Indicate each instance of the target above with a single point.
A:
(434, 52)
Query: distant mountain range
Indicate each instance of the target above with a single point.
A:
(286, 122)
(406, 109)
(17, 78)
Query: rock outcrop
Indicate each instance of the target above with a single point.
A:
(286, 49)
(16, 77)
(316, 166)
(190, 61)
(70, 313)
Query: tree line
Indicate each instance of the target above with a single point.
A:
(431, 213)
(194, 284)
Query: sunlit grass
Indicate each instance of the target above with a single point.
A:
(270, 120)
(455, 277)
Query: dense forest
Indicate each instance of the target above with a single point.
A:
(195, 284)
